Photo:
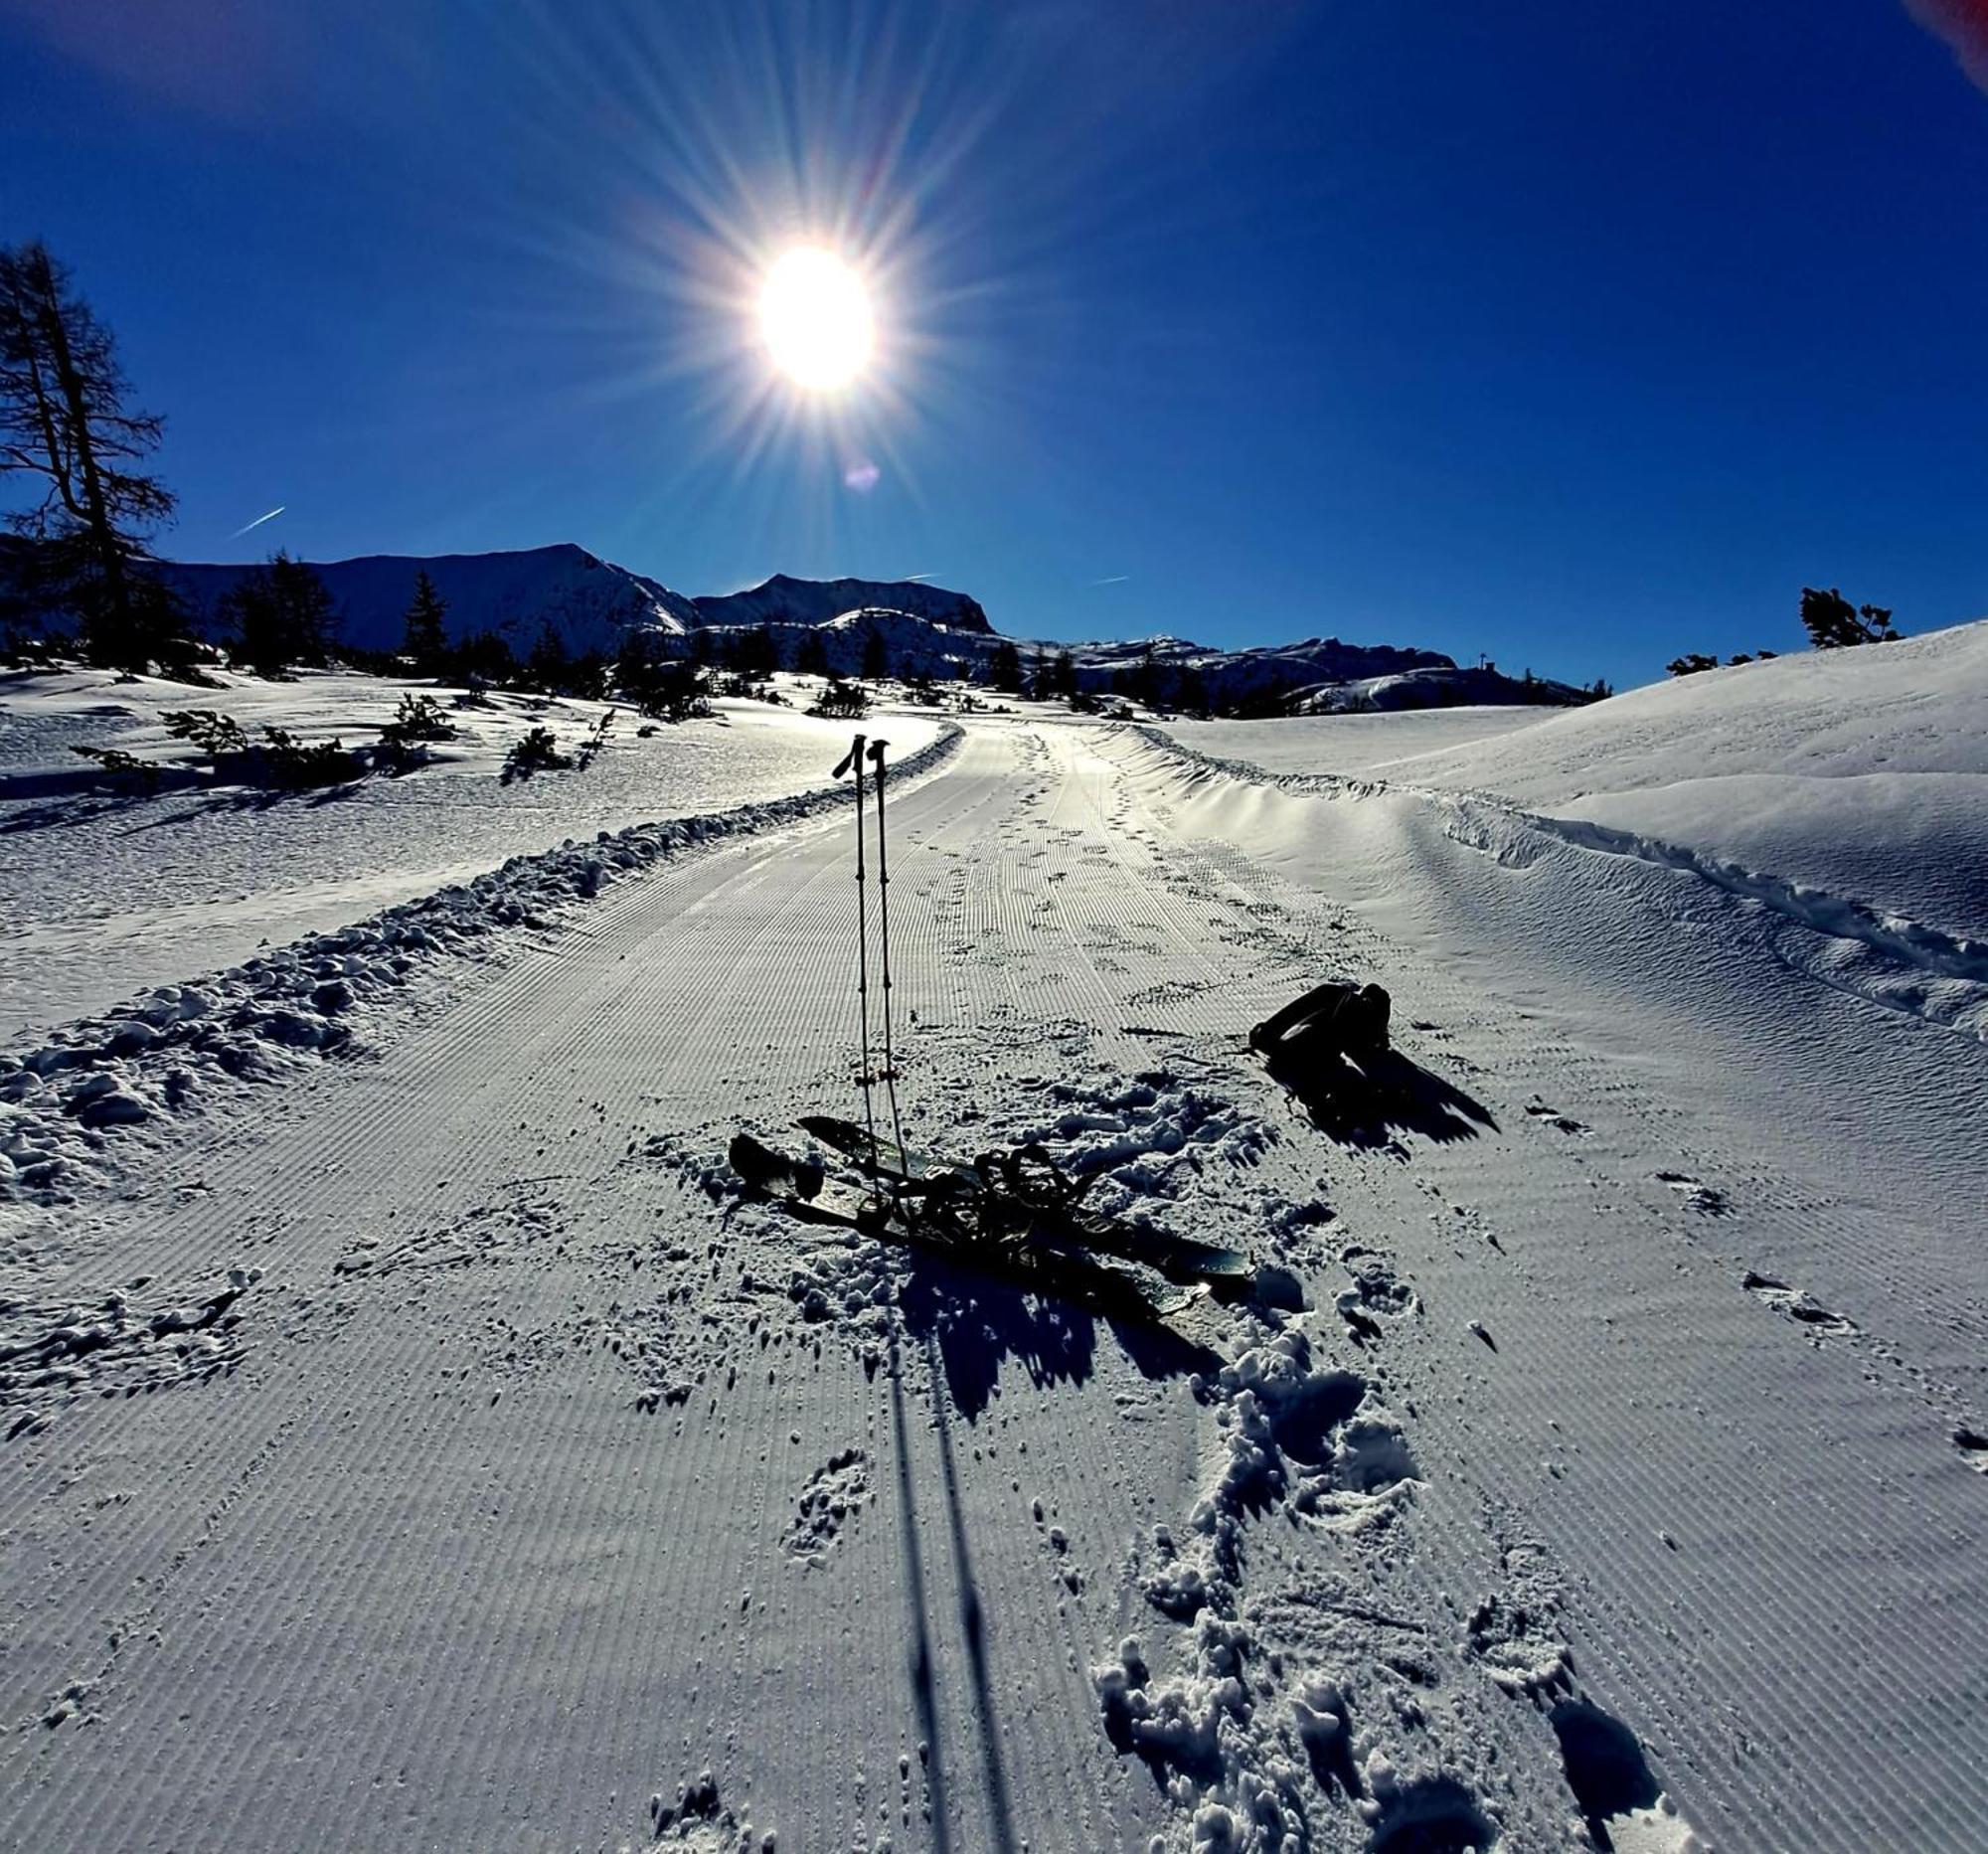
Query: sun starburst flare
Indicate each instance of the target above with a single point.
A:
(815, 319)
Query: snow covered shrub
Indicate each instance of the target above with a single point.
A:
(419, 718)
(669, 692)
(841, 701)
(1834, 623)
(533, 750)
(595, 740)
(213, 733)
(289, 766)
(115, 759)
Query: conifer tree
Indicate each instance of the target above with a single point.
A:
(426, 640)
(1004, 668)
(549, 665)
(1834, 623)
(64, 420)
(281, 616)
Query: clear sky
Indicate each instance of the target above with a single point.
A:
(1573, 333)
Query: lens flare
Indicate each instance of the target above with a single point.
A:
(815, 319)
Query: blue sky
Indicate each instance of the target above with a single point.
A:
(1572, 334)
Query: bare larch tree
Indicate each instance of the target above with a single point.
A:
(64, 420)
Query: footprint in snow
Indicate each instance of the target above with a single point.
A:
(834, 1495)
(1973, 1446)
(1559, 1122)
(1796, 1304)
(1707, 1200)
(1611, 1780)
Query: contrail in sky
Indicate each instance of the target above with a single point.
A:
(908, 577)
(257, 523)
(1117, 579)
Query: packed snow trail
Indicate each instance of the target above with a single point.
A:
(520, 1491)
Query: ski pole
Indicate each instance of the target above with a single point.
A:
(884, 922)
(854, 758)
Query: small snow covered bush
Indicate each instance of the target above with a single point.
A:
(208, 730)
(290, 765)
(418, 721)
(595, 740)
(841, 701)
(535, 751)
(665, 691)
(419, 718)
(115, 759)
(749, 689)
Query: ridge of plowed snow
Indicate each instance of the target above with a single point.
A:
(68, 1102)
(1940, 977)
(1858, 773)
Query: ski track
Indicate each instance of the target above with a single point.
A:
(484, 1538)
(1910, 959)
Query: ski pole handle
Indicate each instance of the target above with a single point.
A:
(854, 758)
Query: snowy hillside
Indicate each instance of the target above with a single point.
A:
(1431, 686)
(784, 600)
(912, 645)
(1320, 675)
(587, 601)
(418, 1432)
(1859, 773)
(106, 888)
(1264, 671)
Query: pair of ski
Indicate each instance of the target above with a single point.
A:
(1010, 1214)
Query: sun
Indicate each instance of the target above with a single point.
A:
(815, 318)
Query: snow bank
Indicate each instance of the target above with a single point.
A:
(1860, 774)
(64, 1102)
(1823, 725)
(103, 893)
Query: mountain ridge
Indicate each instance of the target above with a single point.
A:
(591, 605)
(784, 598)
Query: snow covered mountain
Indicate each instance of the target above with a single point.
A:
(923, 630)
(911, 645)
(782, 600)
(1320, 675)
(589, 602)
(1431, 685)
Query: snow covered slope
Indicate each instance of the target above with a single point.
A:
(1320, 675)
(420, 1394)
(1264, 672)
(912, 645)
(1381, 742)
(1859, 773)
(105, 890)
(784, 600)
(590, 603)
(1430, 687)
